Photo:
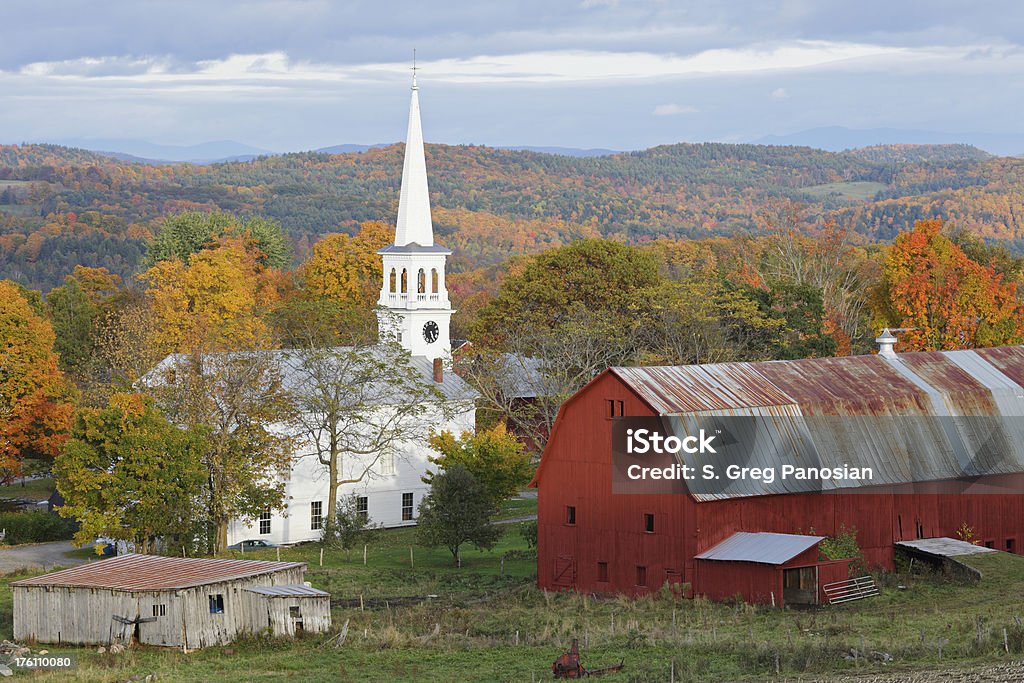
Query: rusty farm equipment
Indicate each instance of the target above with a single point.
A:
(568, 665)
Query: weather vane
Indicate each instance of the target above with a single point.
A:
(414, 69)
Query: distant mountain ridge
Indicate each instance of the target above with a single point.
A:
(839, 138)
(60, 207)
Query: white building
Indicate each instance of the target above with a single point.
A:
(415, 311)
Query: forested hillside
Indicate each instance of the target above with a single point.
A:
(60, 207)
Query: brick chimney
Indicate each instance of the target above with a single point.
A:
(438, 371)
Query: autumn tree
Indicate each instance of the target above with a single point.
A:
(239, 400)
(128, 474)
(217, 298)
(347, 269)
(35, 400)
(951, 302)
(493, 456)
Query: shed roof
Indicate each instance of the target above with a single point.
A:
(945, 547)
(155, 573)
(289, 590)
(761, 547)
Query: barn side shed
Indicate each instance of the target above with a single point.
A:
(153, 600)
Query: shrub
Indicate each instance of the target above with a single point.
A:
(35, 527)
(528, 530)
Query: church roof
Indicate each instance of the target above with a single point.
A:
(414, 248)
(295, 379)
(414, 224)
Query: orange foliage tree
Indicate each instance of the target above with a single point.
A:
(35, 401)
(952, 302)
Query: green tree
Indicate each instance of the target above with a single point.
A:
(455, 512)
(188, 233)
(128, 474)
(495, 458)
(73, 317)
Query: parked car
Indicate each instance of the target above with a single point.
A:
(251, 545)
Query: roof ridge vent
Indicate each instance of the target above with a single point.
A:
(887, 341)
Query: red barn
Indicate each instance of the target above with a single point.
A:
(931, 463)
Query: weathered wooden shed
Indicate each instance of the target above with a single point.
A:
(169, 601)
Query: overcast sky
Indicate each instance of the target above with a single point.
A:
(620, 74)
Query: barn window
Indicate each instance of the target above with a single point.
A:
(293, 611)
(316, 514)
(602, 572)
(406, 507)
(1011, 545)
(159, 610)
(641, 576)
(649, 523)
(363, 506)
(570, 514)
(217, 604)
(265, 522)
(990, 544)
(615, 408)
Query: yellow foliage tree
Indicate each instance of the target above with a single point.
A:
(347, 269)
(216, 300)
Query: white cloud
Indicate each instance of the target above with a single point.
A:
(673, 109)
(779, 94)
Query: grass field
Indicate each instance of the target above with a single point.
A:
(858, 190)
(486, 625)
(33, 489)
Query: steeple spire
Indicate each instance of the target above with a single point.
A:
(414, 224)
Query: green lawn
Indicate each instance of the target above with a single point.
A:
(859, 190)
(499, 627)
(33, 489)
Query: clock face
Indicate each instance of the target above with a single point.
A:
(430, 332)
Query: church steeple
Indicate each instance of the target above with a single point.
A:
(414, 306)
(414, 224)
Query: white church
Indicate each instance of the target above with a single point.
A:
(415, 311)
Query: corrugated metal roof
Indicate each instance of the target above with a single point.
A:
(762, 547)
(288, 590)
(946, 547)
(156, 573)
(917, 417)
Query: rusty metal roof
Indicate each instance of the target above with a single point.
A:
(764, 547)
(156, 573)
(289, 591)
(861, 411)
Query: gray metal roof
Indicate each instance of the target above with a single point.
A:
(916, 417)
(763, 547)
(414, 248)
(295, 378)
(945, 547)
(289, 590)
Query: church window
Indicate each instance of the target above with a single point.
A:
(387, 464)
(394, 276)
(433, 280)
(265, 522)
(405, 281)
(421, 282)
(363, 506)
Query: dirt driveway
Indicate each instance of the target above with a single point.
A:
(36, 555)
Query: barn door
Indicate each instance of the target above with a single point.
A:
(564, 571)
(800, 586)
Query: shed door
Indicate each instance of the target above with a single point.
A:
(800, 586)
(564, 571)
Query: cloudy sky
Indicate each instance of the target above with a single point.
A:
(620, 74)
